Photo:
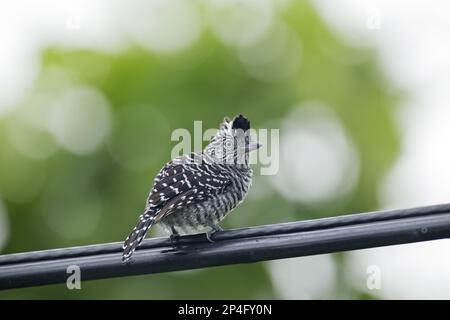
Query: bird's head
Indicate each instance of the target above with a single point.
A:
(232, 143)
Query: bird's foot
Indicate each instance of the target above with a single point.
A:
(174, 240)
(208, 236)
(214, 228)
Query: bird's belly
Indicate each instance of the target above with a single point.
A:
(199, 216)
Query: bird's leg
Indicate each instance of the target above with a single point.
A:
(174, 237)
(214, 229)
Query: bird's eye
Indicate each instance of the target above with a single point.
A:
(228, 144)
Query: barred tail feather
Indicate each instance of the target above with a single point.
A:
(136, 236)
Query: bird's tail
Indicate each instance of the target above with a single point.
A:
(146, 220)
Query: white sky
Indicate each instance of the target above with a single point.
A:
(412, 39)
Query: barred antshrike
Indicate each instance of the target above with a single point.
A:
(196, 191)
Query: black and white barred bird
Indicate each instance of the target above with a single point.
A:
(195, 192)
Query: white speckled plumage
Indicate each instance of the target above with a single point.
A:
(195, 192)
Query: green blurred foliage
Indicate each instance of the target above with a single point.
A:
(150, 96)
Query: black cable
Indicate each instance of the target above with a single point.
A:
(281, 228)
(244, 245)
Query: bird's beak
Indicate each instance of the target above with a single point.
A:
(254, 145)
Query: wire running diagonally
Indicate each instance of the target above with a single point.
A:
(245, 245)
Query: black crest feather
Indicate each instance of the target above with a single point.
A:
(241, 122)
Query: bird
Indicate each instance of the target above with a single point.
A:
(194, 192)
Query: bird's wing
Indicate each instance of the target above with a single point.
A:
(181, 185)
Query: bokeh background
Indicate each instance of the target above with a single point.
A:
(90, 92)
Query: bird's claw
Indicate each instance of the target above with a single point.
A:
(214, 228)
(174, 239)
(208, 236)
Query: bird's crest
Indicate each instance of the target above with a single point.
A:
(238, 123)
(241, 122)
